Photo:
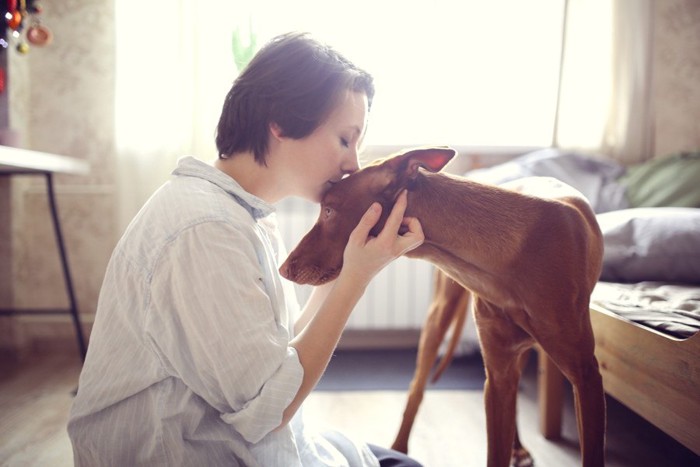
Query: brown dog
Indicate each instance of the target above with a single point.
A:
(530, 253)
(448, 310)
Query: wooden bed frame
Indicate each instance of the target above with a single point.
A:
(655, 375)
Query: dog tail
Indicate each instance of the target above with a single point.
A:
(457, 326)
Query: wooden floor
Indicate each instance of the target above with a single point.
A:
(36, 393)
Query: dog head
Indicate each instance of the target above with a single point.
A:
(318, 258)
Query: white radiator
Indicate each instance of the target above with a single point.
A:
(397, 298)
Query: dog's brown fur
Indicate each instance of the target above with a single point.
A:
(530, 253)
(447, 311)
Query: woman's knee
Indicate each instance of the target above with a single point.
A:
(390, 458)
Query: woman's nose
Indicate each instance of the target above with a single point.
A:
(351, 163)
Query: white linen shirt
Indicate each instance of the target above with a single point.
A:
(189, 361)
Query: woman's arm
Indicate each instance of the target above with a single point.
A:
(316, 299)
(363, 258)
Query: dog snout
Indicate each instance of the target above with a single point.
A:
(288, 269)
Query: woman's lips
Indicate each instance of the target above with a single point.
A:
(329, 184)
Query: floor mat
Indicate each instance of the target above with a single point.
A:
(366, 370)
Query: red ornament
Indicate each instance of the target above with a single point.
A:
(35, 9)
(15, 21)
(38, 34)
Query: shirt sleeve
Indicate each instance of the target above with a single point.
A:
(213, 325)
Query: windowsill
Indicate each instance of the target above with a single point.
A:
(468, 157)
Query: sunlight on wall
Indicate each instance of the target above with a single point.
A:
(172, 76)
(455, 72)
(467, 72)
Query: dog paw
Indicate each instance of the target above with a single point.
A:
(521, 458)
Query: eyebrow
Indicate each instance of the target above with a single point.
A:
(356, 128)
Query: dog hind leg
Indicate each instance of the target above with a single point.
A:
(572, 350)
(449, 299)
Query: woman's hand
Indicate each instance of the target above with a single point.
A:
(323, 320)
(365, 256)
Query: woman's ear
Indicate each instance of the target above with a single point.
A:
(276, 131)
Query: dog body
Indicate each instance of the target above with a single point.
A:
(448, 310)
(530, 253)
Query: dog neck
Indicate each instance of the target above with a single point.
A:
(471, 229)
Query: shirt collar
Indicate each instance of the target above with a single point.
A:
(188, 166)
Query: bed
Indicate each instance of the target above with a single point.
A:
(645, 310)
(652, 372)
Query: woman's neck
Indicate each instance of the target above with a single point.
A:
(253, 177)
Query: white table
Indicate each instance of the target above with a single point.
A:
(14, 161)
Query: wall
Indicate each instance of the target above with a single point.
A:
(62, 101)
(676, 75)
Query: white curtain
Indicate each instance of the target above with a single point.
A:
(605, 102)
(174, 67)
(174, 70)
(474, 73)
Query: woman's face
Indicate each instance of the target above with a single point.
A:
(317, 161)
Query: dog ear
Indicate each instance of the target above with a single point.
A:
(404, 167)
(432, 159)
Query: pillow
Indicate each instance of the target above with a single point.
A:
(651, 244)
(595, 177)
(667, 181)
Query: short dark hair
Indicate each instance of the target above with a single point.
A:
(295, 82)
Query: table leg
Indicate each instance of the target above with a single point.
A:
(551, 396)
(82, 348)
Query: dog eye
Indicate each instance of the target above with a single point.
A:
(327, 212)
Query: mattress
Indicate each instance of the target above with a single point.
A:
(672, 309)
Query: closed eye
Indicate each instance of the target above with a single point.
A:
(344, 142)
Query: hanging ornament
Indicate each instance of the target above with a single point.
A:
(17, 15)
(15, 20)
(39, 35)
(11, 5)
(34, 8)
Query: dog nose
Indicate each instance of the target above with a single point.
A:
(287, 269)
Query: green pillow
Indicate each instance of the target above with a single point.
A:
(668, 181)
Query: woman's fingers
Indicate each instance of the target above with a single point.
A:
(413, 238)
(369, 219)
(409, 240)
(365, 255)
(397, 244)
(393, 222)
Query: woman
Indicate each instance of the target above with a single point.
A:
(195, 357)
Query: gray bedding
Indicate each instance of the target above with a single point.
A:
(673, 309)
(649, 251)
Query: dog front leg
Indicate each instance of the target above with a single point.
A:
(499, 400)
(502, 344)
(521, 457)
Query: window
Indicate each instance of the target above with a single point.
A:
(474, 72)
